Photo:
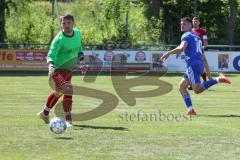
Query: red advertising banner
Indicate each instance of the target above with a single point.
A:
(30, 60)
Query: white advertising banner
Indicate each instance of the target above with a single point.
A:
(218, 61)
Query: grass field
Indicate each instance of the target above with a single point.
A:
(213, 134)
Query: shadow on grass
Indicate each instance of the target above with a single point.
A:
(101, 127)
(220, 116)
(64, 138)
(211, 90)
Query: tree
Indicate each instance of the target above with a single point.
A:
(116, 11)
(2, 20)
(172, 12)
(214, 21)
(152, 13)
(152, 8)
(118, 21)
(231, 21)
(5, 6)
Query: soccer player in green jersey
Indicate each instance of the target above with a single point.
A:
(65, 51)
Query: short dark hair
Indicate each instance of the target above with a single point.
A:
(186, 19)
(67, 16)
(196, 18)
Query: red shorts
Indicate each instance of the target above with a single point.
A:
(61, 77)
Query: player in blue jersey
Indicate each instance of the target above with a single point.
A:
(191, 45)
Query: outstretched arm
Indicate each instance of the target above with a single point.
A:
(176, 50)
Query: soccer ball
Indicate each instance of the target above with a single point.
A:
(57, 125)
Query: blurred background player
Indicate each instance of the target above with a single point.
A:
(65, 52)
(202, 33)
(192, 47)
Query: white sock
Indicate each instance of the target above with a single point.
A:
(190, 108)
(47, 109)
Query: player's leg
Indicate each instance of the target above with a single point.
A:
(183, 85)
(204, 76)
(67, 98)
(51, 101)
(67, 102)
(58, 79)
(192, 76)
(195, 78)
(206, 73)
(200, 87)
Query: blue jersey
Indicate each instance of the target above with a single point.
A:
(193, 52)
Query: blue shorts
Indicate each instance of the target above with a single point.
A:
(193, 74)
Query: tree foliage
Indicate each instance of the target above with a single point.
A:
(219, 17)
(137, 21)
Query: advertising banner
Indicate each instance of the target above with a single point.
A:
(11, 60)
(35, 60)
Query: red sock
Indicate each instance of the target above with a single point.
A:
(204, 76)
(67, 107)
(51, 101)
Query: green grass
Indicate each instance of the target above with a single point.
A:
(213, 134)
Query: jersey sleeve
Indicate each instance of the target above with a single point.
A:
(184, 39)
(54, 50)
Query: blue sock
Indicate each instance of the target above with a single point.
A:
(187, 101)
(209, 83)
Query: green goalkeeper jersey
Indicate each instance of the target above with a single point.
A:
(65, 49)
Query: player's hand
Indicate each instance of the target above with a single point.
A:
(83, 67)
(165, 56)
(51, 69)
